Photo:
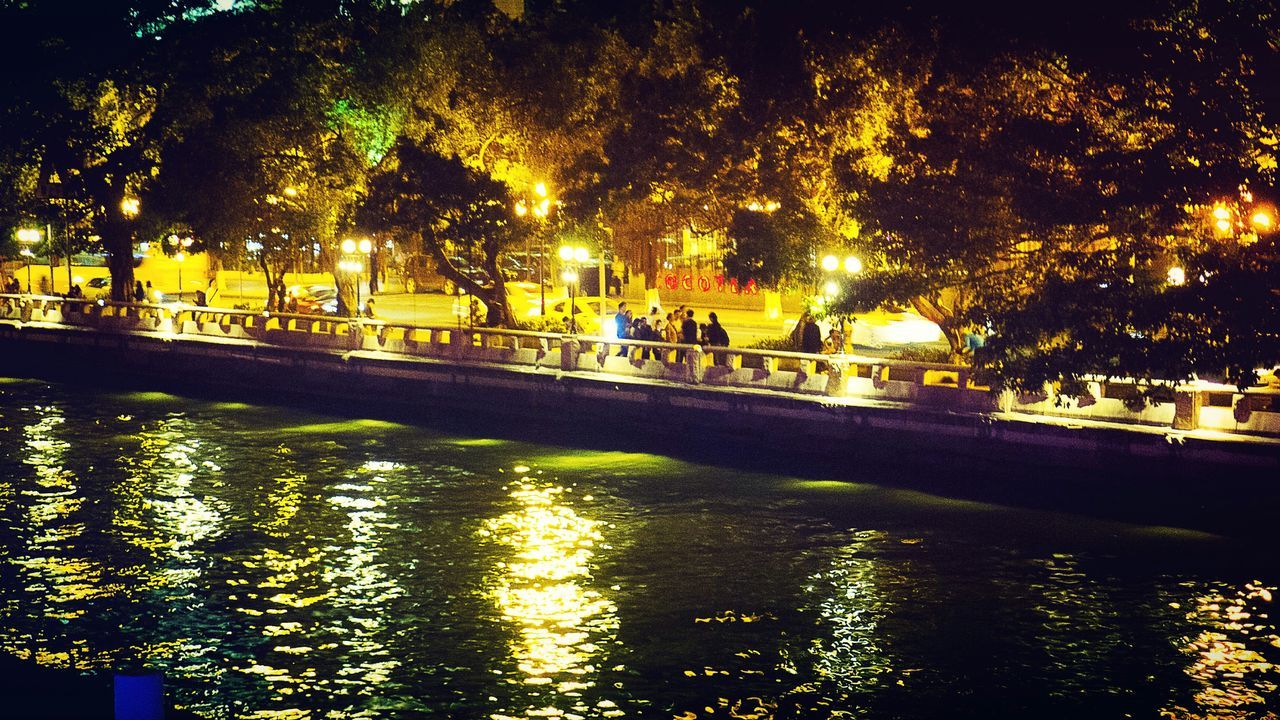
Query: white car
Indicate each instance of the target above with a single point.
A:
(893, 326)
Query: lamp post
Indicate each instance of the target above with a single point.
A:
(540, 207)
(354, 263)
(181, 245)
(573, 257)
(832, 267)
(28, 237)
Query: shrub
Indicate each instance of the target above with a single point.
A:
(922, 354)
(782, 342)
(543, 324)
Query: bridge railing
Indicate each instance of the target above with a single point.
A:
(936, 385)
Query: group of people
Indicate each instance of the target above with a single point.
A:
(678, 326)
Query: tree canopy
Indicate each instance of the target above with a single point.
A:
(1080, 188)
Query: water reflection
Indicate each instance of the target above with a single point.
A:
(343, 569)
(543, 588)
(48, 566)
(1232, 655)
(318, 594)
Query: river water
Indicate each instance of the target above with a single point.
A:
(275, 563)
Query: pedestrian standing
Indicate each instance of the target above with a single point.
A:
(716, 334)
(688, 333)
(139, 293)
(620, 326)
(654, 317)
(811, 336)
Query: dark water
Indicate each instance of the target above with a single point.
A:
(279, 564)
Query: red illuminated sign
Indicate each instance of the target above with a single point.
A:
(708, 284)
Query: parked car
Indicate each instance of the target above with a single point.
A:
(98, 288)
(586, 310)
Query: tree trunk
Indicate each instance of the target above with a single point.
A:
(485, 294)
(117, 239)
(500, 313)
(266, 275)
(945, 319)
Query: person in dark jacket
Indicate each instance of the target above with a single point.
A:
(811, 339)
(688, 333)
(716, 334)
(689, 329)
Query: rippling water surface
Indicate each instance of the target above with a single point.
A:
(280, 564)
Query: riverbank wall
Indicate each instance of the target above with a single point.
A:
(1006, 457)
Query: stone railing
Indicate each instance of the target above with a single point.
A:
(943, 386)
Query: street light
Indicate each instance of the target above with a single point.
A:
(28, 236)
(540, 207)
(181, 256)
(354, 263)
(831, 264)
(1228, 219)
(573, 256)
(130, 206)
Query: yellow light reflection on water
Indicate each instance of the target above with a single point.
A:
(63, 583)
(544, 590)
(1231, 655)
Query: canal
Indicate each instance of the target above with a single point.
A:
(277, 563)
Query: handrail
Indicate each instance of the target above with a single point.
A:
(845, 358)
(818, 374)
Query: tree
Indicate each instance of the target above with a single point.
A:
(82, 92)
(286, 125)
(452, 210)
(1185, 107)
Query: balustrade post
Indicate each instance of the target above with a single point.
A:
(835, 379)
(694, 360)
(1186, 409)
(568, 353)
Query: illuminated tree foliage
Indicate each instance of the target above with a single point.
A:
(80, 120)
(450, 209)
(281, 136)
(1029, 176)
(1050, 189)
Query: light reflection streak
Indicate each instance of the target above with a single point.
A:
(543, 589)
(852, 656)
(324, 602)
(360, 585)
(1232, 655)
(59, 584)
